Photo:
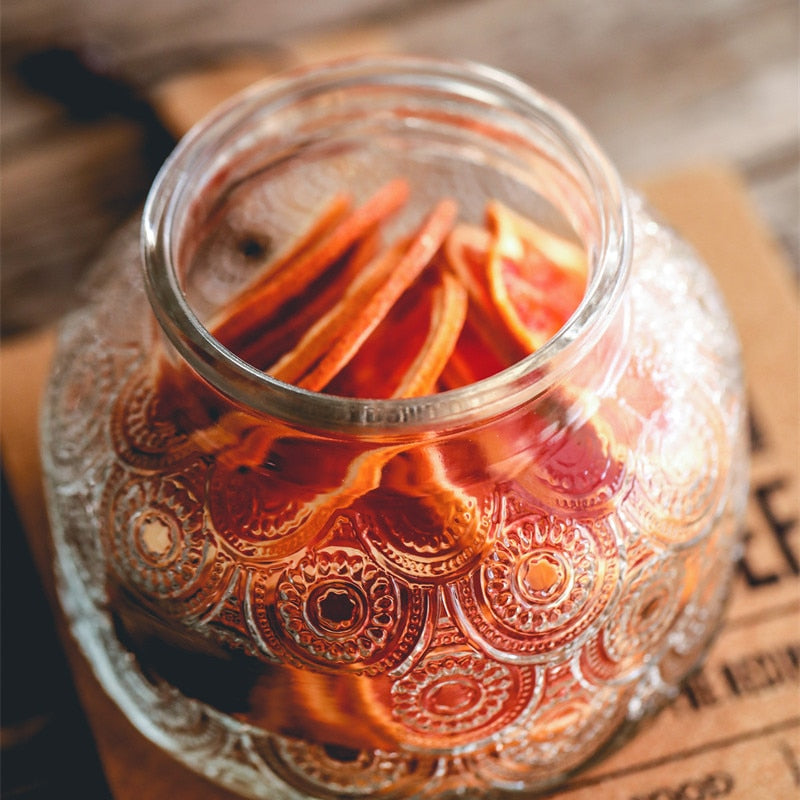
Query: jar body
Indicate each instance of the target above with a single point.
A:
(477, 607)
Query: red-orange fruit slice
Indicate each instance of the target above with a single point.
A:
(536, 278)
(423, 247)
(318, 337)
(281, 334)
(448, 314)
(485, 346)
(322, 223)
(261, 302)
(567, 255)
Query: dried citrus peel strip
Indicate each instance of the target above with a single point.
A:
(423, 247)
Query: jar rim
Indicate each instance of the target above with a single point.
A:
(525, 379)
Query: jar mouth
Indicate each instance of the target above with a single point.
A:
(198, 156)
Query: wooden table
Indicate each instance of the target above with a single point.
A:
(83, 128)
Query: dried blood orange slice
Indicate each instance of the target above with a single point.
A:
(466, 250)
(485, 346)
(266, 345)
(536, 279)
(448, 313)
(322, 222)
(406, 354)
(261, 302)
(423, 247)
(567, 255)
(312, 346)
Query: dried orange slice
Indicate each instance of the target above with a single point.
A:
(466, 250)
(423, 247)
(387, 354)
(486, 346)
(261, 302)
(536, 278)
(567, 255)
(281, 335)
(448, 314)
(312, 346)
(322, 222)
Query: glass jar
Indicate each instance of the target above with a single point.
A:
(299, 594)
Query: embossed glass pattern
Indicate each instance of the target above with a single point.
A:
(469, 592)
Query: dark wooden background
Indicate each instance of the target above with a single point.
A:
(661, 83)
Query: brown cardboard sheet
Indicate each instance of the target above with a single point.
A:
(734, 732)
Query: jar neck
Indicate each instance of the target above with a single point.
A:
(486, 115)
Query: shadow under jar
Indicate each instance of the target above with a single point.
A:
(301, 594)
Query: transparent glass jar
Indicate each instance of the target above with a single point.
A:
(304, 595)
